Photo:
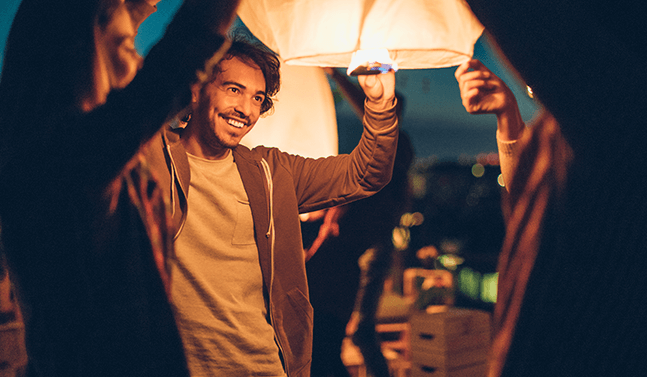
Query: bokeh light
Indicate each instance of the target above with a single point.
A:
(401, 237)
(478, 170)
(450, 262)
(489, 288)
(469, 282)
(418, 184)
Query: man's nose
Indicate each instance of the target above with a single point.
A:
(244, 106)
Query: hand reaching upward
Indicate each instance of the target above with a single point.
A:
(482, 92)
(379, 89)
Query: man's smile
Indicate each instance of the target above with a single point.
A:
(235, 123)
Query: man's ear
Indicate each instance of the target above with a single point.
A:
(195, 91)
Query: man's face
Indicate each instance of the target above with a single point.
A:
(227, 108)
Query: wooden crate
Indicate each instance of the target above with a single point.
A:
(453, 343)
(421, 370)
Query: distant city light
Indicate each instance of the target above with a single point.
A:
(478, 286)
(469, 282)
(489, 286)
(500, 181)
(478, 170)
(411, 219)
(418, 184)
(450, 262)
(401, 237)
(493, 158)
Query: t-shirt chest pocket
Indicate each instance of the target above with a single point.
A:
(244, 228)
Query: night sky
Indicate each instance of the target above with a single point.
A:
(434, 116)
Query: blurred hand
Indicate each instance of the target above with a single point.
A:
(482, 92)
(379, 89)
(216, 15)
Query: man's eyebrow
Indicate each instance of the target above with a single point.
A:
(234, 83)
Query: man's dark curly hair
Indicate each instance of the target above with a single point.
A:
(258, 54)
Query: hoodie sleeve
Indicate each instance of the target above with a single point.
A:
(324, 182)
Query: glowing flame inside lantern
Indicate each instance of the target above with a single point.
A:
(371, 62)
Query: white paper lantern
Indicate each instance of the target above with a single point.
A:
(303, 121)
(418, 33)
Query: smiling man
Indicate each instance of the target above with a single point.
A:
(226, 109)
(238, 276)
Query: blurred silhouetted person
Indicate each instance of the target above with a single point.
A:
(333, 272)
(571, 298)
(84, 227)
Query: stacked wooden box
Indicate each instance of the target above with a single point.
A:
(453, 343)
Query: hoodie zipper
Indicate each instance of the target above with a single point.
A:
(174, 175)
(271, 235)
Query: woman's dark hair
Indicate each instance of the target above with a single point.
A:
(50, 51)
(250, 52)
(48, 64)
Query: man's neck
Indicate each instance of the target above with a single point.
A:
(195, 147)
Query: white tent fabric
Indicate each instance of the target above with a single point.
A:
(304, 119)
(418, 33)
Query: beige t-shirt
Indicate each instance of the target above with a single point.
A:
(217, 285)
